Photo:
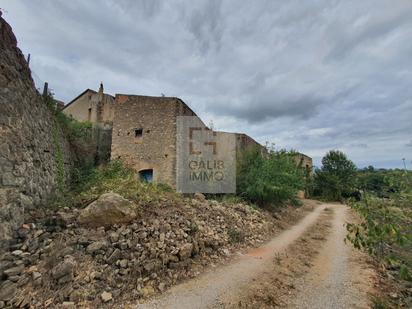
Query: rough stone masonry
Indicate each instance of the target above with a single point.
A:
(28, 139)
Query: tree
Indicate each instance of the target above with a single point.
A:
(336, 178)
(271, 178)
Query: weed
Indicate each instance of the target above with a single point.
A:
(236, 235)
(379, 303)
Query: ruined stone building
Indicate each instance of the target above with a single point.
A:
(144, 130)
(144, 134)
(97, 108)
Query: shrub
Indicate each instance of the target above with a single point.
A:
(268, 178)
(386, 227)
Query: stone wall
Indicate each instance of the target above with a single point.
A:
(244, 142)
(304, 161)
(155, 147)
(30, 142)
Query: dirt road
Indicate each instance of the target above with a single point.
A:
(338, 277)
(334, 280)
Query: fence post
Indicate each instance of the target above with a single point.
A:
(45, 90)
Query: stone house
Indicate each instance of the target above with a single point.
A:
(305, 162)
(143, 130)
(96, 107)
(144, 134)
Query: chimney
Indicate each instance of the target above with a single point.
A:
(101, 87)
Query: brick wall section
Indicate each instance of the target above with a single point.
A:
(28, 169)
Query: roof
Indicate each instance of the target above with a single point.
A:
(81, 94)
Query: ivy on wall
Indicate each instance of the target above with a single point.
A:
(58, 157)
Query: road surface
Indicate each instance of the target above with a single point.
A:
(334, 279)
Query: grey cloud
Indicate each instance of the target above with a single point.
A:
(349, 36)
(359, 145)
(306, 75)
(273, 108)
(205, 23)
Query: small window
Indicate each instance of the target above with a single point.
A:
(89, 116)
(138, 132)
(146, 175)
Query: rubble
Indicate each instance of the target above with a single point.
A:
(97, 265)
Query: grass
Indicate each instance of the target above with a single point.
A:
(235, 235)
(89, 182)
(379, 303)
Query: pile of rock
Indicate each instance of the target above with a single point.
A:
(61, 260)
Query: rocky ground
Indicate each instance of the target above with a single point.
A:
(59, 261)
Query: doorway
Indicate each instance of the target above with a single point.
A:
(146, 175)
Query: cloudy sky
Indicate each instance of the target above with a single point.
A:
(307, 75)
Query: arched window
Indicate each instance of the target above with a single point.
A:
(146, 175)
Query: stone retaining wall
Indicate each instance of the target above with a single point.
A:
(31, 145)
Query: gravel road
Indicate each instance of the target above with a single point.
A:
(206, 290)
(337, 278)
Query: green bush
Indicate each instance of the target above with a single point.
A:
(336, 178)
(271, 178)
(386, 227)
(381, 182)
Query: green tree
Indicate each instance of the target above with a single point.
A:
(336, 178)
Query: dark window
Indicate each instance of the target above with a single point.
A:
(138, 132)
(89, 116)
(146, 175)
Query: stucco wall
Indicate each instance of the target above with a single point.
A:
(101, 105)
(79, 109)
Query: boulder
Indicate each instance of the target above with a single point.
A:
(200, 196)
(14, 271)
(106, 296)
(7, 290)
(64, 270)
(185, 251)
(96, 246)
(108, 209)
